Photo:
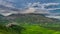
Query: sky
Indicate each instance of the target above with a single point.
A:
(23, 3)
(51, 7)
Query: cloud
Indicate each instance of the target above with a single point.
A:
(10, 0)
(57, 17)
(5, 3)
(43, 5)
(30, 8)
(48, 4)
(40, 8)
(7, 8)
(6, 14)
(35, 8)
(52, 8)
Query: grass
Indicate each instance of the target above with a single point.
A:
(26, 29)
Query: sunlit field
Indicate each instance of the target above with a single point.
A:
(27, 29)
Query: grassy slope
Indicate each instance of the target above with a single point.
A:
(29, 29)
(37, 19)
(3, 21)
(34, 26)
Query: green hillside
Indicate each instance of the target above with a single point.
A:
(34, 19)
(29, 24)
(3, 20)
(26, 29)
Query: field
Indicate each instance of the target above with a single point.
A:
(27, 29)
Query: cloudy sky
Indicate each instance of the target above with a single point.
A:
(51, 7)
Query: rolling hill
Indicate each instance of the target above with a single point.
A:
(29, 24)
(33, 18)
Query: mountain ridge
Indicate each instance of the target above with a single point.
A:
(32, 16)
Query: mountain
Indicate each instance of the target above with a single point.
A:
(3, 20)
(31, 18)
